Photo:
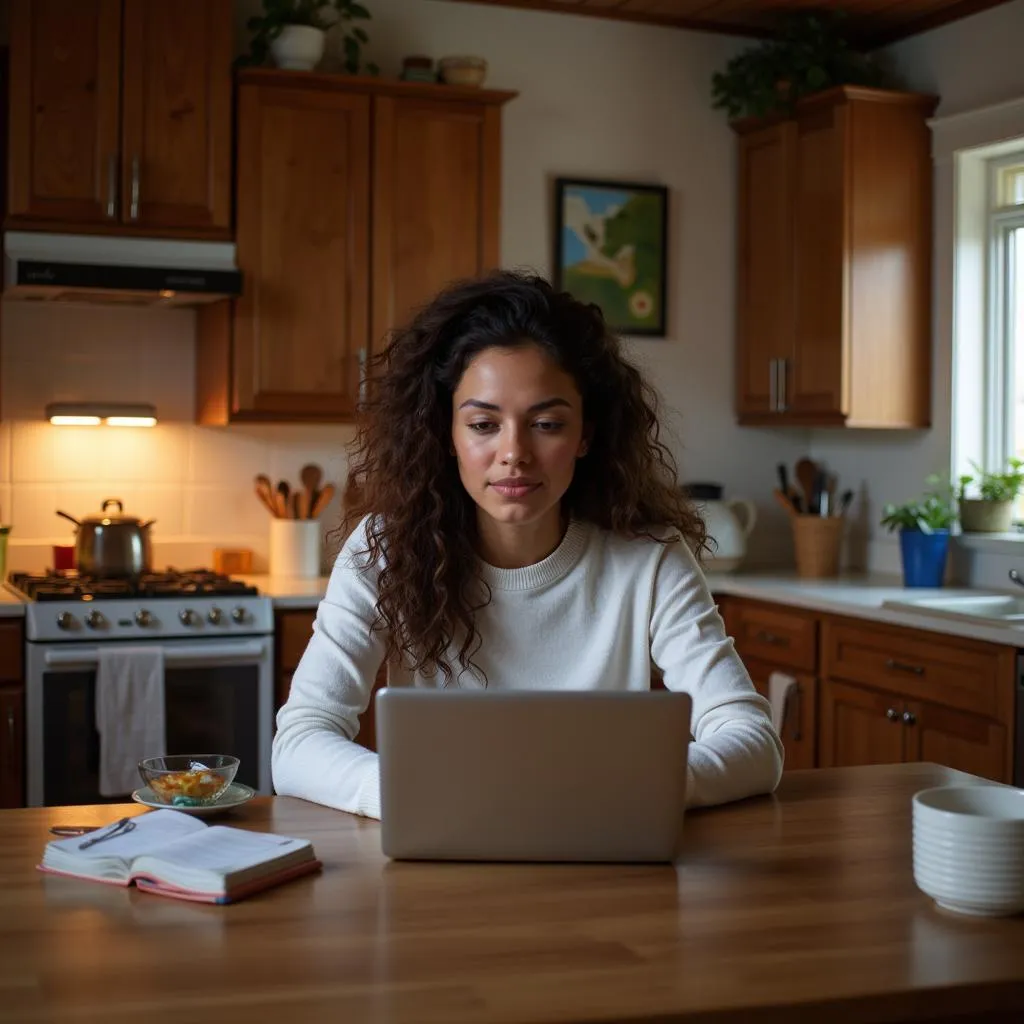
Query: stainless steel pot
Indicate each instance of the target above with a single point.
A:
(112, 545)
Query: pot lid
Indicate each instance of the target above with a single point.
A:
(106, 518)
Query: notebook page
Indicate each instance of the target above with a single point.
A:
(152, 832)
(224, 850)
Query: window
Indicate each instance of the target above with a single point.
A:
(1005, 288)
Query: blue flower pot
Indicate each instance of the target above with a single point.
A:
(924, 557)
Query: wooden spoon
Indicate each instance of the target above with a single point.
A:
(323, 499)
(311, 475)
(806, 475)
(283, 499)
(265, 493)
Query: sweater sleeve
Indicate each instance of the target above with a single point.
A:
(314, 755)
(735, 751)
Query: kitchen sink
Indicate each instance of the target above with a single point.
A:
(987, 607)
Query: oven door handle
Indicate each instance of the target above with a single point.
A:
(194, 654)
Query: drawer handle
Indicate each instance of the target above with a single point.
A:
(764, 637)
(902, 666)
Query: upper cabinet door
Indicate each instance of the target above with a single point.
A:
(303, 247)
(765, 271)
(436, 184)
(176, 136)
(65, 64)
(819, 216)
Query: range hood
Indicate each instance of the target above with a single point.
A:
(119, 270)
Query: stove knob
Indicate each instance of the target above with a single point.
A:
(143, 618)
(215, 616)
(65, 621)
(95, 620)
(239, 615)
(188, 617)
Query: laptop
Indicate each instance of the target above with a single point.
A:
(524, 775)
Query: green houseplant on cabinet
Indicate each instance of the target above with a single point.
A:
(990, 508)
(808, 54)
(924, 526)
(294, 33)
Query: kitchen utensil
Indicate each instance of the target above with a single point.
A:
(845, 500)
(806, 474)
(300, 504)
(265, 493)
(112, 544)
(311, 476)
(283, 500)
(323, 499)
(822, 497)
(786, 502)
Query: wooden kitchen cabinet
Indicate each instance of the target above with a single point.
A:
(12, 713)
(120, 117)
(834, 263)
(340, 241)
(292, 630)
(891, 693)
(768, 639)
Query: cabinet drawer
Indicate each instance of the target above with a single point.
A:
(957, 673)
(773, 633)
(293, 632)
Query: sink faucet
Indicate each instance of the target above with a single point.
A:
(1016, 577)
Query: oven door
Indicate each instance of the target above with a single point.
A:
(218, 700)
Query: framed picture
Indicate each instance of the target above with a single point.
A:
(610, 249)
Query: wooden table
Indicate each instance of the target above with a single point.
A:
(796, 908)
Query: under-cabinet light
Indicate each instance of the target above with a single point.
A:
(92, 414)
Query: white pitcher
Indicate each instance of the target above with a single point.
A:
(729, 522)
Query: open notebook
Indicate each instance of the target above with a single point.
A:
(173, 854)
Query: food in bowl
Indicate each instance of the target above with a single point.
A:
(188, 780)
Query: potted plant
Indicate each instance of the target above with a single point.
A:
(991, 509)
(294, 33)
(924, 525)
(808, 53)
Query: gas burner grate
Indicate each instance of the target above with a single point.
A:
(71, 586)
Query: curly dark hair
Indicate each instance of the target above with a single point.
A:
(422, 530)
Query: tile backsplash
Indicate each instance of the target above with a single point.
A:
(196, 482)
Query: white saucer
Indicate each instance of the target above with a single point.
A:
(234, 796)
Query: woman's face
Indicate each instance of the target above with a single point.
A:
(517, 431)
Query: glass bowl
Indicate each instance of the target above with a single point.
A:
(188, 780)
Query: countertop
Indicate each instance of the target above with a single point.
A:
(289, 591)
(11, 605)
(862, 597)
(799, 907)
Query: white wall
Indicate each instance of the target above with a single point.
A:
(970, 63)
(599, 98)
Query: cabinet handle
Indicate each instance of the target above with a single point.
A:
(111, 186)
(10, 730)
(133, 212)
(893, 715)
(909, 718)
(764, 637)
(780, 388)
(773, 385)
(902, 666)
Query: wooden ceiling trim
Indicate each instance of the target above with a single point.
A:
(873, 23)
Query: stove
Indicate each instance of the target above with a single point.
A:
(176, 603)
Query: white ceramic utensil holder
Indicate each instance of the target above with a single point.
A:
(295, 547)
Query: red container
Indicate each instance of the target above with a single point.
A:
(63, 557)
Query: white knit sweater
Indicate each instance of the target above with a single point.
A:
(593, 615)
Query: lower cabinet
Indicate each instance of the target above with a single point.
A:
(12, 713)
(873, 693)
(292, 630)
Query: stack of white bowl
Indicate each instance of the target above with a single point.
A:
(969, 848)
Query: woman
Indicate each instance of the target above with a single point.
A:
(527, 531)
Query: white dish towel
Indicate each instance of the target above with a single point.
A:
(779, 687)
(129, 714)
